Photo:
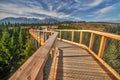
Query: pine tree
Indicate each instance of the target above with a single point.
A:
(5, 56)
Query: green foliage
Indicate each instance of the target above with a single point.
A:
(112, 54)
(86, 38)
(15, 48)
(66, 35)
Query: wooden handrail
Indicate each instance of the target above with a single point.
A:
(32, 69)
(98, 55)
(109, 35)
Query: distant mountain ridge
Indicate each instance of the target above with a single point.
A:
(27, 20)
(47, 20)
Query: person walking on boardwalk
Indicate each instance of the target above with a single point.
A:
(47, 33)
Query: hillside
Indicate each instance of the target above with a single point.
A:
(99, 26)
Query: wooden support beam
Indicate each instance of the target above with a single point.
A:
(72, 39)
(102, 46)
(91, 41)
(81, 37)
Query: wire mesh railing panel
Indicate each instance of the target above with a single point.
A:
(112, 54)
(86, 38)
(47, 67)
(58, 34)
(76, 37)
(96, 43)
(66, 35)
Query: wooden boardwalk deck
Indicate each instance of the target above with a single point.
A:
(72, 63)
(75, 63)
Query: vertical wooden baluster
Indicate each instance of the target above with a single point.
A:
(39, 38)
(102, 46)
(91, 41)
(81, 37)
(43, 37)
(72, 36)
(51, 33)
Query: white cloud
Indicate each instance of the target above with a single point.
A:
(87, 4)
(78, 1)
(102, 12)
(20, 10)
(83, 5)
(96, 3)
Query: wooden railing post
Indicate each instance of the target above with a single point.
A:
(102, 46)
(81, 37)
(72, 36)
(37, 38)
(53, 49)
(51, 32)
(44, 37)
(40, 38)
(91, 41)
(60, 34)
(38, 35)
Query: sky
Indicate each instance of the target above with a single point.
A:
(73, 10)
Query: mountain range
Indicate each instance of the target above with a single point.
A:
(28, 20)
(44, 21)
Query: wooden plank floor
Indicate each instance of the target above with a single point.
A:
(75, 63)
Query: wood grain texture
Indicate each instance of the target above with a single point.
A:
(72, 63)
(75, 63)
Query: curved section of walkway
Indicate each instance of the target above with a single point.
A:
(75, 63)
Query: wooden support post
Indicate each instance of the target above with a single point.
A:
(40, 38)
(80, 37)
(102, 46)
(53, 50)
(60, 34)
(37, 36)
(37, 39)
(91, 41)
(44, 37)
(72, 36)
(51, 32)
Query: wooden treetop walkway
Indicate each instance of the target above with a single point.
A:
(75, 63)
(70, 61)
